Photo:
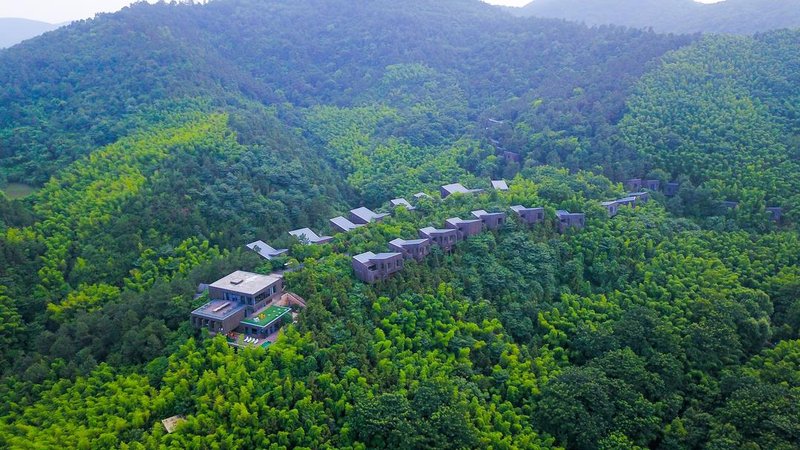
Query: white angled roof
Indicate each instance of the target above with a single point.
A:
(500, 185)
(265, 250)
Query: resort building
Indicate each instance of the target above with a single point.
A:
(466, 228)
(492, 221)
(397, 202)
(444, 238)
(456, 188)
(343, 225)
(529, 216)
(364, 216)
(235, 297)
(567, 219)
(414, 248)
(265, 250)
(307, 236)
(371, 267)
(500, 185)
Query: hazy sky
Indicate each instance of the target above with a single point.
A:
(57, 11)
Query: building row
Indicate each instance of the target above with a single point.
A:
(372, 267)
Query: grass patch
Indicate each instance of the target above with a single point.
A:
(18, 190)
(267, 316)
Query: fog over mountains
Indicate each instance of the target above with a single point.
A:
(674, 16)
(13, 30)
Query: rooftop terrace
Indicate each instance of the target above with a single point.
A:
(267, 316)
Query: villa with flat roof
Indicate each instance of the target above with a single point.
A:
(234, 297)
(641, 197)
(265, 250)
(500, 185)
(466, 228)
(343, 225)
(307, 236)
(529, 216)
(413, 248)
(612, 207)
(567, 219)
(633, 184)
(371, 267)
(627, 201)
(456, 188)
(444, 238)
(492, 221)
(397, 202)
(364, 216)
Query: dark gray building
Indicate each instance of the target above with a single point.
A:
(307, 236)
(651, 185)
(492, 221)
(640, 197)
(265, 250)
(775, 213)
(567, 220)
(512, 156)
(466, 228)
(456, 188)
(397, 202)
(529, 216)
(500, 185)
(671, 189)
(627, 201)
(371, 267)
(444, 238)
(414, 248)
(633, 184)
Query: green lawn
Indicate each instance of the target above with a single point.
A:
(18, 190)
(267, 316)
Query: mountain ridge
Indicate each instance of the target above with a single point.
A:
(14, 30)
(673, 16)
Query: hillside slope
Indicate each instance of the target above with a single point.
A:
(165, 137)
(673, 16)
(86, 85)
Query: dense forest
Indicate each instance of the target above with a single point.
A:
(161, 139)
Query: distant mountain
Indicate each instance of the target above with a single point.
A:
(675, 16)
(13, 31)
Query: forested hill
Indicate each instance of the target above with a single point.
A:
(673, 16)
(154, 143)
(90, 83)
